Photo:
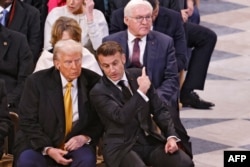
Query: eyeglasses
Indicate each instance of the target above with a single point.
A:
(140, 19)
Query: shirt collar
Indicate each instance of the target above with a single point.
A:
(65, 82)
(8, 8)
(124, 77)
(131, 37)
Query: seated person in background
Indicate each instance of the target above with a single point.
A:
(57, 123)
(5, 122)
(202, 42)
(92, 22)
(23, 18)
(164, 20)
(16, 63)
(66, 28)
(125, 101)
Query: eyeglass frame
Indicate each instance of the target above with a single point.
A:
(140, 19)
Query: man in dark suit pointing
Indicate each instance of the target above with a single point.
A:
(157, 54)
(130, 138)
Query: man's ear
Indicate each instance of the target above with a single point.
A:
(125, 19)
(56, 64)
(123, 58)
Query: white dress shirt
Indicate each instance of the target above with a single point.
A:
(74, 96)
(142, 45)
(92, 33)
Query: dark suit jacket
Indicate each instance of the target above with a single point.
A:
(115, 4)
(41, 5)
(5, 122)
(168, 22)
(15, 62)
(171, 4)
(124, 120)
(25, 18)
(99, 4)
(160, 63)
(42, 118)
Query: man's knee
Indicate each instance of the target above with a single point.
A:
(84, 157)
(30, 158)
(177, 159)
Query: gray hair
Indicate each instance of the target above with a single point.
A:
(66, 46)
(133, 4)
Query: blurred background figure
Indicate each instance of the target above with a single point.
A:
(66, 28)
(16, 63)
(23, 18)
(92, 22)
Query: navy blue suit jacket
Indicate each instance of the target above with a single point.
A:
(159, 60)
(168, 22)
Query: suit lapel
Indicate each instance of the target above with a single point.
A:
(142, 115)
(123, 41)
(55, 94)
(150, 54)
(18, 17)
(82, 99)
(113, 91)
(5, 42)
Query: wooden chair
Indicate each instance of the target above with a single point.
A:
(7, 158)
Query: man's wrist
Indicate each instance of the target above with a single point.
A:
(89, 140)
(45, 150)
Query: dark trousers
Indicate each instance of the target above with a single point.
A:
(155, 156)
(82, 157)
(202, 41)
(180, 130)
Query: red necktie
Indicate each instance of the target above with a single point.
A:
(136, 53)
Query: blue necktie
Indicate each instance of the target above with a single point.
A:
(4, 15)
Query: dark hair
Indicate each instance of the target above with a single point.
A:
(154, 3)
(108, 48)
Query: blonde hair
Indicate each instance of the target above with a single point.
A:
(65, 24)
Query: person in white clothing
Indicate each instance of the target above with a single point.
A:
(66, 28)
(92, 22)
